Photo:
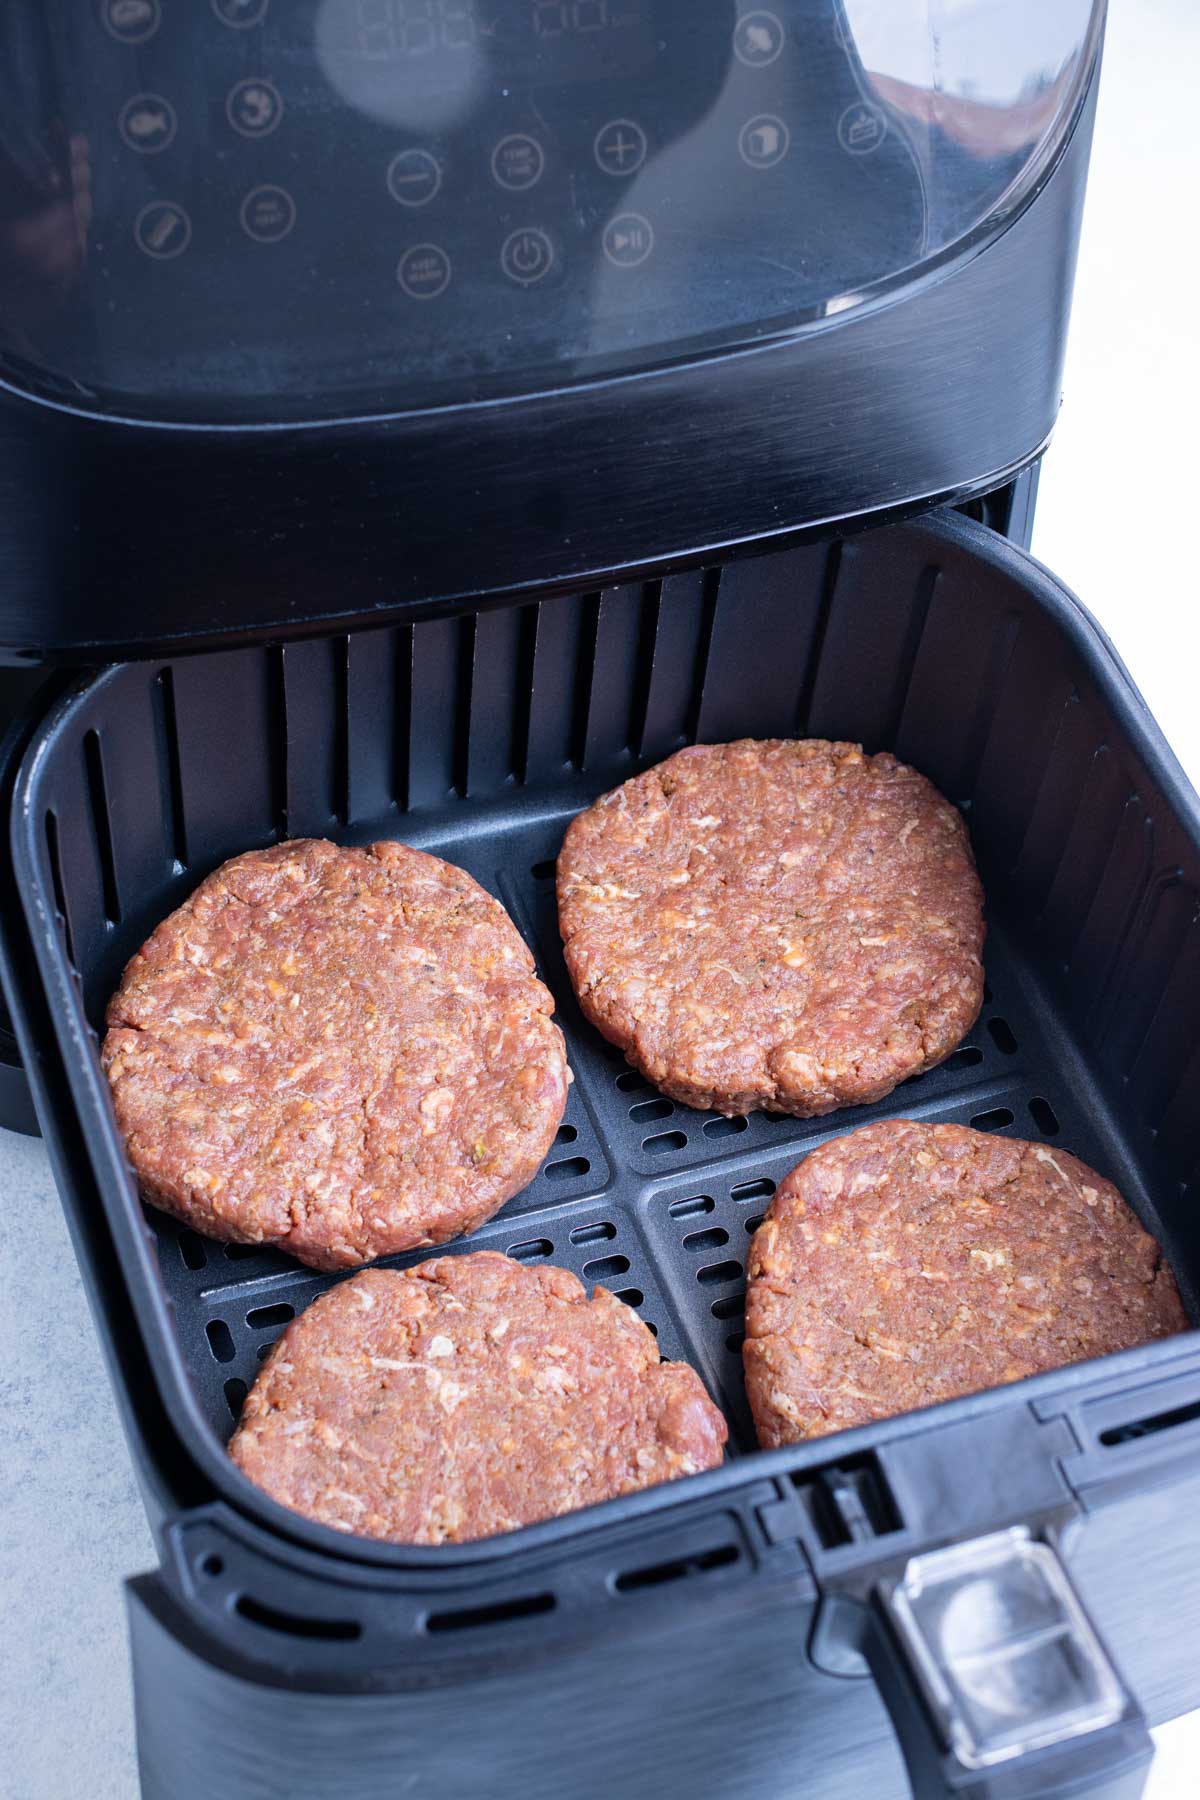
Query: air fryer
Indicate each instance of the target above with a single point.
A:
(418, 416)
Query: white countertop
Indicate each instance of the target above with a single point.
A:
(1114, 499)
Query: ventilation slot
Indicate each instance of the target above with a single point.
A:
(631, 1296)
(606, 1266)
(570, 1168)
(505, 1612)
(1002, 1035)
(706, 1240)
(731, 1307)
(341, 726)
(646, 1111)
(600, 1233)
(969, 1057)
(56, 877)
(722, 1271)
(220, 1340)
(342, 1631)
(753, 1223)
(762, 1189)
(543, 871)
(631, 1081)
(531, 1250)
(691, 1208)
(664, 1142)
(1140, 1428)
(634, 1581)
(235, 1397)
(169, 738)
(566, 1134)
(734, 1342)
(996, 1120)
(722, 1128)
(264, 1316)
(849, 1502)
(244, 1252)
(1044, 1117)
(192, 1250)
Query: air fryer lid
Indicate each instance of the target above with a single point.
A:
(262, 208)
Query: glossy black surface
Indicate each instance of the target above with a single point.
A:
(121, 538)
(265, 209)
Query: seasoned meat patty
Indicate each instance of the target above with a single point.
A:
(467, 1396)
(905, 1264)
(788, 925)
(344, 1052)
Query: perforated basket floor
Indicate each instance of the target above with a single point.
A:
(649, 1198)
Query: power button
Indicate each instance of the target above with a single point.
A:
(526, 255)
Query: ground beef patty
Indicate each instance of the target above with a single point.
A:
(464, 1397)
(788, 925)
(344, 1052)
(905, 1264)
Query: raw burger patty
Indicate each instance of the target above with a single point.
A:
(788, 925)
(467, 1396)
(342, 1052)
(906, 1264)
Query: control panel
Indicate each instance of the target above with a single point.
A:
(286, 207)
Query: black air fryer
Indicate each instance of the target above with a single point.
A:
(419, 415)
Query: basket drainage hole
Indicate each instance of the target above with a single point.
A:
(631, 1296)
(212, 1565)
(631, 1081)
(542, 871)
(995, 1120)
(731, 1307)
(220, 1340)
(734, 1341)
(647, 1110)
(235, 1396)
(566, 1134)
(722, 1271)
(243, 1252)
(762, 1189)
(263, 1316)
(752, 1224)
(691, 1208)
(567, 1168)
(264, 1350)
(1044, 1116)
(966, 1058)
(712, 1239)
(604, 1266)
(599, 1233)
(1001, 1034)
(719, 1128)
(191, 1248)
(531, 1250)
(664, 1142)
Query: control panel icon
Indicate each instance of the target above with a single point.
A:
(620, 147)
(414, 177)
(162, 230)
(763, 141)
(240, 14)
(424, 271)
(517, 162)
(757, 39)
(526, 255)
(131, 21)
(147, 123)
(268, 214)
(628, 240)
(254, 107)
(861, 129)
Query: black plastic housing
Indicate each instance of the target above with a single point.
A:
(697, 1634)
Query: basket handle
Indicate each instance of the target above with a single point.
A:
(997, 1683)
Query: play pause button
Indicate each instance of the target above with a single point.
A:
(628, 240)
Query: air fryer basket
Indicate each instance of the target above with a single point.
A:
(478, 736)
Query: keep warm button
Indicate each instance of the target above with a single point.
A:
(526, 256)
